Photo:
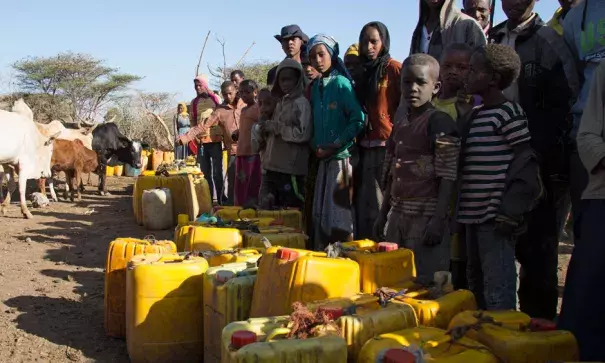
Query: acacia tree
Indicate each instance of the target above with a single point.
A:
(86, 83)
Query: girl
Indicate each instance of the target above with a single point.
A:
(182, 125)
(379, 91)
(337, 118)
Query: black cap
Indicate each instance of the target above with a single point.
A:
(290, 31)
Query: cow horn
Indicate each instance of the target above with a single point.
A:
(90, 130)
(111, 120)
(52, 138)
(88, 123)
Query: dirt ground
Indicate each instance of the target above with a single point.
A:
(52, 276)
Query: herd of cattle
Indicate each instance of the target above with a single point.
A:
(36, 151)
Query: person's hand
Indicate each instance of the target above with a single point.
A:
(327, 150)
(177, 141)
(463, 104)
(270, 127)
(435, 229)
(235, 135)
(505, 226)
(378, 229)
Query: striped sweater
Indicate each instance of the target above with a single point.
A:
(486, 158)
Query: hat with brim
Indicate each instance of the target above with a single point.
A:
(291, 31)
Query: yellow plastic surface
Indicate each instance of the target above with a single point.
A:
(182, 189)
(514, 320)
(310, 277)
(244, 255)
(148, 173)
(277, 237)
(118, 170)
(290, 217)
(168, 157)
(329, 348)
(369, 320)
(439, 312)
(109, 170)
(202, 191)
(157, 157)
(225, 302)
(119, 254)
(510, 344)
(201, 238)
(381, 269)
(164, 309)
(434, 342)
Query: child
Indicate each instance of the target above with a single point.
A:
(479, 10)
(267, 104)
(337, 119)
(226, 116)
(500, 180)
(452, 99)
(287, 135)
(545, 90)
(420, 170)
(247, 163)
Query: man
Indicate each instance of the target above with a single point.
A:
(293, 41)
(237, 77)
(557, 19)
(480, 10)
(210, 153)
(545, 90)
(440, 24)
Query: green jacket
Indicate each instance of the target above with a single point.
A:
(337, 114)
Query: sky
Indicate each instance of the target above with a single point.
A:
(161, 40)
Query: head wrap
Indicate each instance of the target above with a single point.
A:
(184, 111)
(331, 45)
(374, 70)
(353, 50)
(205, 89)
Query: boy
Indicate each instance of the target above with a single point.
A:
(247, 163)
(500, 180)
(226, 116)
(237, 77)
(480, 10)
(545, 90)
(293, 41)
(586, 265)
(420, 169)
(267, 104)
(287, 136)
(452, 99)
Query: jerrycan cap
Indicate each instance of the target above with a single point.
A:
(537, 324)
(387, 246)
(333, 312)
(241, 338)
(286, 254)
(398, 356)
(224, 276)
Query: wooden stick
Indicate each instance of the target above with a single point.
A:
(197, 70)
(245, 53)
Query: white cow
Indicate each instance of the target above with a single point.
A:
(56, 126)
(24, 150)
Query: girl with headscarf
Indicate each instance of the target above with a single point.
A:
(182, 125)
(379, 90)
(337, 119)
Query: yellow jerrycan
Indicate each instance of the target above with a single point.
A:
(277, 236)
(204, 238)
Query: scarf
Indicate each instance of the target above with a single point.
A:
(338, 66)
(206, 89)
(184, 108)
(374, 70)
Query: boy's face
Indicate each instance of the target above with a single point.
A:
(419, 84)
(248, 95)
(454, 68)
(267, 105)
(434, 4)
(311, 72)
(320, 58)
(236, 79)
(287, 79)
(199, 89)
(291, 46)
(229, 94)
(518, 10)
(371, 43)
(478, 10)
(479, 77)
(353, 66)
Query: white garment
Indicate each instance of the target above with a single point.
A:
(425, 40)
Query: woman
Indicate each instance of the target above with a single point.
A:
(182, 125)
(337, 119)
(379, 91)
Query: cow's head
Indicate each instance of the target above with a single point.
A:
(44, 155)
(130, 153)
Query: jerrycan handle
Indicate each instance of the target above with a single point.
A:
(241, 210)
(275, 333)
(250, 251)
(149, 240)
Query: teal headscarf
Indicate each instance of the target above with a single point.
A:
(331, 45)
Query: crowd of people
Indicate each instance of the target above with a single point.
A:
(464, 152)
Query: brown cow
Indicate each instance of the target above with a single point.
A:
(71, 157)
